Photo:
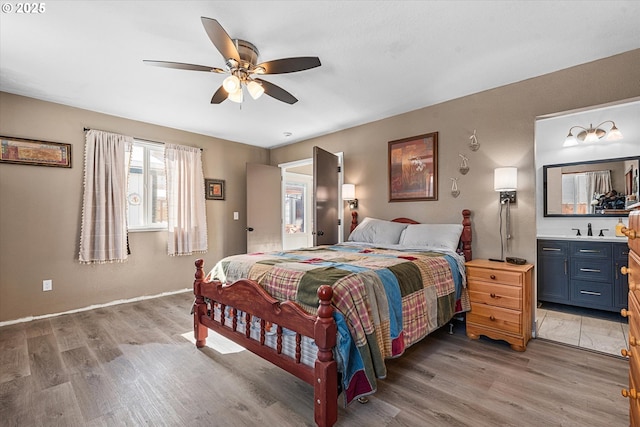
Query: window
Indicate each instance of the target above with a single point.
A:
(574, 194)
(147, 192)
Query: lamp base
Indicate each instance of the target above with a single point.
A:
(496, 260)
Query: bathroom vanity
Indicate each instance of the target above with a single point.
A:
(583, 271)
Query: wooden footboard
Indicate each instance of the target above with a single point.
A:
(249, 298)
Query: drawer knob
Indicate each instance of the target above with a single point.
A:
(493, 277)
(625, 270)
(492, 295)
(626, 353)
(631, 234)
(632, 394)
(625, 313)
(633, 341)
(492, 317)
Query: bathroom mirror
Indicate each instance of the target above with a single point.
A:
(593, 188)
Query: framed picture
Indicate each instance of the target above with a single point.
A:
(214, 189)
(37, 153)
(413, 168)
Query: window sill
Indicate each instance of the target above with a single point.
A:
(143, 229)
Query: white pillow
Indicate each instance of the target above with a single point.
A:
(440, 236)
(372, 230)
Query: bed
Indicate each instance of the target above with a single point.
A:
(331, 315)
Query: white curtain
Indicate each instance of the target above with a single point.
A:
(103, 234)
(598, 183)
(185, 198)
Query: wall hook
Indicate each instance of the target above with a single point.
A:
(464, 166)
(474, 144)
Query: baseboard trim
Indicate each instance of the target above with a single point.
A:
(93, 307)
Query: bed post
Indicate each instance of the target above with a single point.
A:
(325, 394)
(466, 234)
(354, 220)
(200, 331)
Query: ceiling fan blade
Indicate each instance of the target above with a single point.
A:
(183, 66)
(277, 92)
(290, 65)
(219, 96)
(220, 39)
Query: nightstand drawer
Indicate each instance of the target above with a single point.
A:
(495, 276)
(495, 294)
(495, 317)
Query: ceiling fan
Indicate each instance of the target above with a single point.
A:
(241, 58)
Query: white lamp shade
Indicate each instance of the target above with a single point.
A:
(255, 89)
(231, 84)
(614, 134)
(505, 179)
(348, 191)
(236, 96)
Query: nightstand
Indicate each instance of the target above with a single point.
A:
(500, 295)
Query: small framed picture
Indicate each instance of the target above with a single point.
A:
(214, 189)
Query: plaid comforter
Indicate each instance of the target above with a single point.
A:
(385, 299)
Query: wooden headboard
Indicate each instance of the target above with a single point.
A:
(465, 237)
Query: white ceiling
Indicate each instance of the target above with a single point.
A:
(379, 58)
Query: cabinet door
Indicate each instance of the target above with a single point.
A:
(553, 271)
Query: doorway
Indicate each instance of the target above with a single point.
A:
(297, 202)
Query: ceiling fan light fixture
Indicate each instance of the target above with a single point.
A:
(236, 96)
(231, 84)
(255, 89)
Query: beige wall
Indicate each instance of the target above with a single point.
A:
(504, 119)
(40, 210)
(40, 207)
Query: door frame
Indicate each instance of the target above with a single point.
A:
(309, 161)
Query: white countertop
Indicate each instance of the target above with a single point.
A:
(585, 238)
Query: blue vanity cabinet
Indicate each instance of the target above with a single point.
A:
(583, 273)
(621, 281)
(553, 271)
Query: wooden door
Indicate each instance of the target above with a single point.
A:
(325, 197)
(264, 226)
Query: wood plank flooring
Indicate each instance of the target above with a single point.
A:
(128, 365)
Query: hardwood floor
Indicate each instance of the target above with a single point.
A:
(128, 365)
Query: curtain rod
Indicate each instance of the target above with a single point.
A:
(86, 129)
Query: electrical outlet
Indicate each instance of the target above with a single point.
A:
(47, 285)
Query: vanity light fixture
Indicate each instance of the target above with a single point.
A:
(593, 134)
(349, 195)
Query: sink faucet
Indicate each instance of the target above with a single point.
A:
(589, 232)
(578, 231)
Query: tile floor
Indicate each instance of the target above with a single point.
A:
(606, 332)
